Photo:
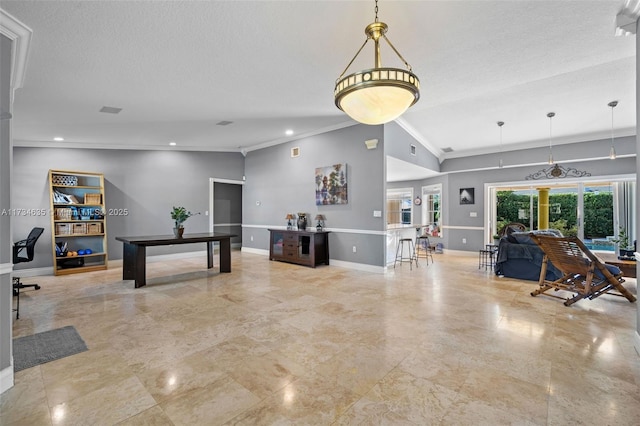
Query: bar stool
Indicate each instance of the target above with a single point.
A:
(486, 257)
(400, 257)
(423, 245)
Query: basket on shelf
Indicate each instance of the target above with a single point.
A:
(63, 229)
(63, 213)
(92, 198)
(94, 228)
(78, 228)
(65, 180)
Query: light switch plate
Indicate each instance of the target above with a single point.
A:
(377, 213)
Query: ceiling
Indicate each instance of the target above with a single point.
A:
(177, 68)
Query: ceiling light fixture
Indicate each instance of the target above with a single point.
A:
(288, 132)
(377, 95)
(172, 143)
(58, 139)
(550, 115)
(612, 152)
(500, 124)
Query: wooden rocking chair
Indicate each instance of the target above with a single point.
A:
(584, 273)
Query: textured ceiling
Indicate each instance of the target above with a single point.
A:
(177, 68)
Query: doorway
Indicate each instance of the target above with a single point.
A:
(226, 208)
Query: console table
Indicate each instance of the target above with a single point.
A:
(308, 248)
(134, 257)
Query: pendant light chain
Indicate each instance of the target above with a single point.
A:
(612, 152)
(550, 115)
(376, 11)
(500, 124)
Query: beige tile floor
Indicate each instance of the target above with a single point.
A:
(273, 343)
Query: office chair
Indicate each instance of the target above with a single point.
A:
(23, 252)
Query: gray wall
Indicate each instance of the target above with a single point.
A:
(6, 295)
(145, 183)
(278, 184)
(561, 153)
(458, 215)
(397, 143)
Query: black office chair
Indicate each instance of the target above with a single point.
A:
(23, 252)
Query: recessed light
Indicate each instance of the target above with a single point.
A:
(172, 143)
(58, 139)
(288, 132)
(110, 110)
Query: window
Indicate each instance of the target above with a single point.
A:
(432, 209)
(399, 206)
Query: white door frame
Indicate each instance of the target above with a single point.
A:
(212, 181)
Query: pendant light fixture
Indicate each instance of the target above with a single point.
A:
(500, 124)
(612, 152)
(377, 95)
(550, 115)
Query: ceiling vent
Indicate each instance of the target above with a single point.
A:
(110, 110)
(447, 149)
(223, 123)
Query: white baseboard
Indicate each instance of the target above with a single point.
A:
(255, 251)
(32, 272)
(6, 378)
(332, 262)
(358, 266)
(636, 342)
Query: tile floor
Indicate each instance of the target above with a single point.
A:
(273, 343)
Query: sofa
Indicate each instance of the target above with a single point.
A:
(519, 257)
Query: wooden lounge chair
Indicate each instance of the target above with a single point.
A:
(584, 273)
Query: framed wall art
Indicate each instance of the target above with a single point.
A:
(331, 185)
(467, 196)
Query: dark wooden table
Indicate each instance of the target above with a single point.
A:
(134, 257)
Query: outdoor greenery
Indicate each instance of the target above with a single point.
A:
(598, 212)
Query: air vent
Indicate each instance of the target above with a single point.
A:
(295, 152)
(223, 123)
(447, 149)
(110, 110)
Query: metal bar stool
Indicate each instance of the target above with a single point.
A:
(423, 246)
(400, 256)
(486, 257)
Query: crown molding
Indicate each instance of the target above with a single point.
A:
(20, 34)
(627, 18)
(437, 152)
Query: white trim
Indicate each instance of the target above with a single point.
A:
(255, 251)
(20, 34)
(33, 272)
(437, 152)
(336, 230)
(6, 377)
(279, 141)
(228, 224)
(332, 262)
(358, 266)
(636, 342)
(6, 268)
(468, 228)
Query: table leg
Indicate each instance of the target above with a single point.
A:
(141, 267)
(209, 254)
(225, 255)
(128, 261)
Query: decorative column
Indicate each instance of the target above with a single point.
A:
(543, 208)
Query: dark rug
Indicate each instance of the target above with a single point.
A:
(29, 351)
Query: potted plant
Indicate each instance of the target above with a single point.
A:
(179, 216)
(624, 248)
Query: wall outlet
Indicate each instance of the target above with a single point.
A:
(473, 214)
(377, 213)
(464, 241)
(354, 249)
(252, 238)
(206, 212)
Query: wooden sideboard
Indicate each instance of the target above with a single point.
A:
(308, 248)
